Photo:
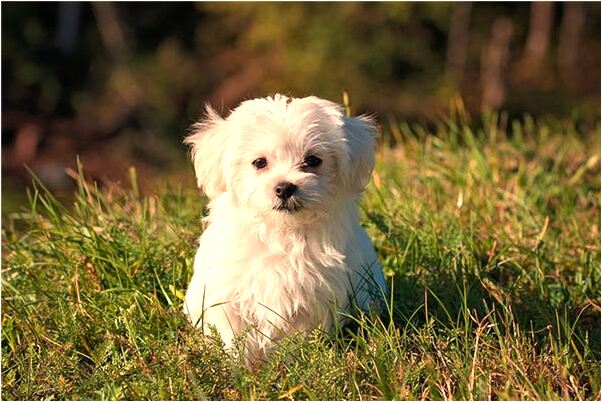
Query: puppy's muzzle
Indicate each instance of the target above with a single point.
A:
(285, 190)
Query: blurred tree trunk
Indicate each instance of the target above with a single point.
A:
(457, 42)
(114, 37)
(538, 40)
(573, 19)
(67, 26)
(494, 64)
(111, 29)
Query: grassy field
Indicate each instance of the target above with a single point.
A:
(490, 238)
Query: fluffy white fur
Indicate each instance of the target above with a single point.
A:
(267, 267)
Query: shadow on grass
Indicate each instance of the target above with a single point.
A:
(450, 300)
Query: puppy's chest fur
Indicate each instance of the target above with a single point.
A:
(288, 280)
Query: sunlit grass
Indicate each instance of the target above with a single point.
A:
(489, 236)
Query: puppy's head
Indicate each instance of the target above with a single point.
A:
(281, 155)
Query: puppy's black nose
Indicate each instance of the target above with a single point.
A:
(285, 190)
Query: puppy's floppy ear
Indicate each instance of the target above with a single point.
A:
(208, 142)
(356, 155)
(359, 134)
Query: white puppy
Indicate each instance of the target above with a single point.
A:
(283, 250)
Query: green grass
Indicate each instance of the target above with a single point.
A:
(490, 239)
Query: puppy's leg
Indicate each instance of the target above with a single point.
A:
(203, 315)
(224, 321)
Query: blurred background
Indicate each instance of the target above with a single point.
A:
(119, 83)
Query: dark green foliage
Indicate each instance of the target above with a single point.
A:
(173, 58)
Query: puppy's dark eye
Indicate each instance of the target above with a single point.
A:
(312, 161)
(260, 163)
